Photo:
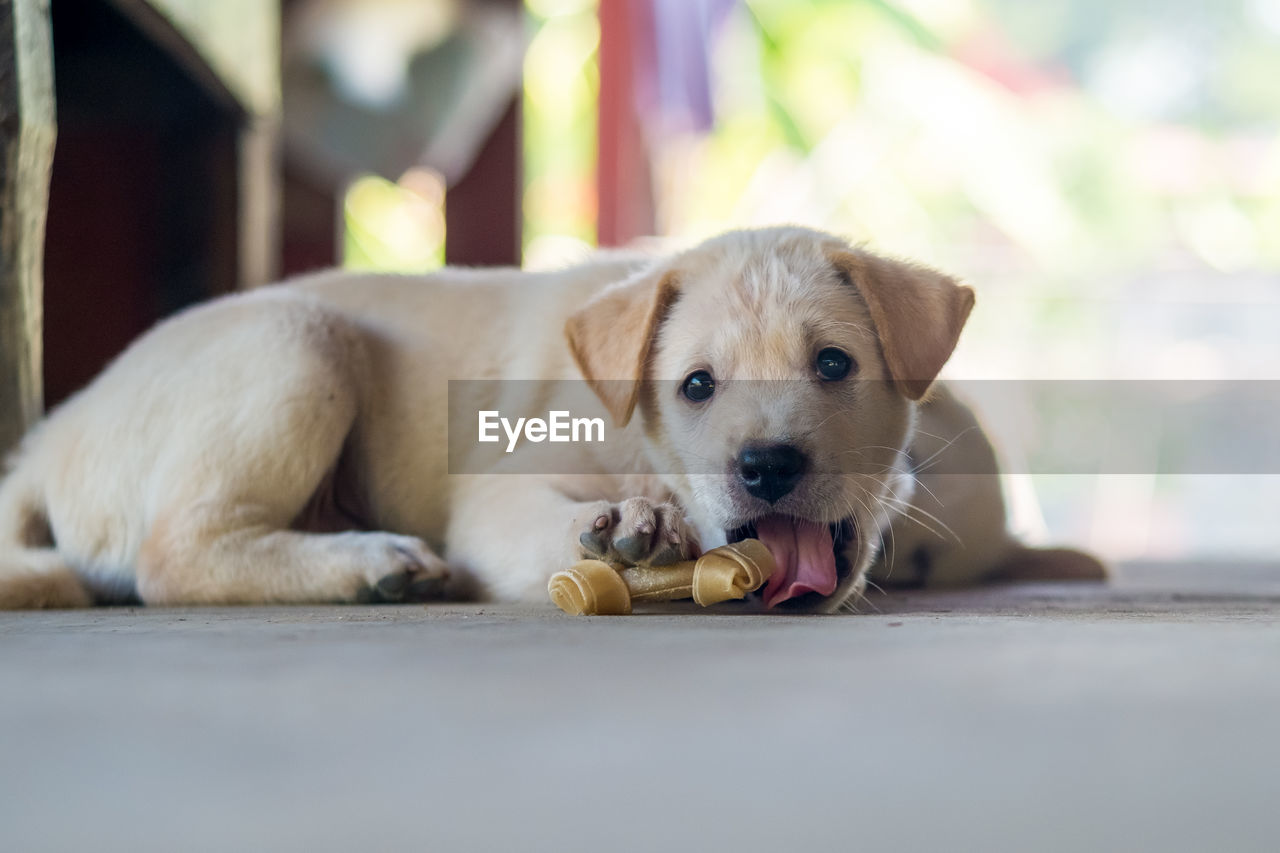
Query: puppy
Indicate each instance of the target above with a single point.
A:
(295, 444)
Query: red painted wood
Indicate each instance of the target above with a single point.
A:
(482, 210)
(623, 185)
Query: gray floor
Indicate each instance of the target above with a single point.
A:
(1142, 716)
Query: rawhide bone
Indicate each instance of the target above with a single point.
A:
(597, 588)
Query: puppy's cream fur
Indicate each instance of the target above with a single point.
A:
(288, 445)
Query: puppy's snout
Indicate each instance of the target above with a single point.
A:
(771, 471)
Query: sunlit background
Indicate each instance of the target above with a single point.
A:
(1105, 172)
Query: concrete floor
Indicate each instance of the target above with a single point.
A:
(1139, 716)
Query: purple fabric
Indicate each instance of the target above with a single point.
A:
(672, 41)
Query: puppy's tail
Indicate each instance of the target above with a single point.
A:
(32, 573)
(1048, 564)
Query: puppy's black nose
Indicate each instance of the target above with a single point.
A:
(771, 471)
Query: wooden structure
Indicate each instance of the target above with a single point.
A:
(482, 210)
(165, 186)
(162, 189)
(624, 189)
(26, 155)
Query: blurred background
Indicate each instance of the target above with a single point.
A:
(1105, 172)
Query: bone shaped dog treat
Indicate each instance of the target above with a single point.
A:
(594, 587)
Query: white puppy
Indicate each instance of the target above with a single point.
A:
(301, 444)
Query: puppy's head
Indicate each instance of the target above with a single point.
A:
(775, 374)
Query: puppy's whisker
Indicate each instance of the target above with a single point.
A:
(910, 508)
(904, 509)
(915, 483)
(926, 464)
(868, 447)
(910, 476)
(862, 599)
(871, 514)
(891, 551)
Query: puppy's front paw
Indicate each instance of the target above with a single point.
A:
(637, 532)
(403, 568)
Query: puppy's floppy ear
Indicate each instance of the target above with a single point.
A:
(918, 314)
(611, 336)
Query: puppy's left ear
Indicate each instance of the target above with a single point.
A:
(918, 314)
(612, 335)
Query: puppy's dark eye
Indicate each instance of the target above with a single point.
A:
(833, 364)
(698, 386)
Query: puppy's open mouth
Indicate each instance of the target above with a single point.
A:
(810, 555)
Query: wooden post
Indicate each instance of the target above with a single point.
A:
(259, 203)
(624, 188)
(27, 134)
(482, 210)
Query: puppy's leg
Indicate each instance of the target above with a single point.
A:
(218, 560)
(229, 492)
(512, 532)
(1047, 564)
(32, 574)
(35, 579)
(233, 543)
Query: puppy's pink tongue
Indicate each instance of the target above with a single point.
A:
(805, 556)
